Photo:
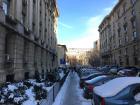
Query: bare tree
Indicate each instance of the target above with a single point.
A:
(94, 58)
(72, 60)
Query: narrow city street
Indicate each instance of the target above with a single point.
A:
(69, 52)
(73, 93)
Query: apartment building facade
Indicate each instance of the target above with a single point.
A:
(95, 56)
(120, 35)
(27, 38)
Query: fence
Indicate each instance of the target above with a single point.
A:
(52, 93)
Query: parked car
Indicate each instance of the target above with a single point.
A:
(131, 67)
(119, 91)
(114, 69)
(127, 72)
(82, 80)
(87, 71)
(105, 69)
(97, 81)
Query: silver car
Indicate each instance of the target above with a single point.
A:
(119, 91)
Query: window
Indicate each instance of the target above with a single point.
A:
(134, 35)
(124, 19)
(23, 19)
(125, 27)
(43, 72)
(124, 8)
(133, 12)
(34, 14)
(127, 60)
(6, 6)
(119, 32)
(126, 38)
(126, 51)
(136, 60)
(120, 60)
(33, 27)
(40, 31)
(118, 14)
(26, 75)
(133, 22)
(24, 11)
(135, 50)
(40, 4)
(133, 1)
(120, 52)
(10, 78)
(119, 25)
(120, 42)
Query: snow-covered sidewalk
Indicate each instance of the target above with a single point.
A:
(70, 93)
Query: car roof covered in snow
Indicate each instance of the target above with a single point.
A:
(114, 86)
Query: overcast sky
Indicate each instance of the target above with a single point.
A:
(79, 20)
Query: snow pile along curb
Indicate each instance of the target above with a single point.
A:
(61, 95)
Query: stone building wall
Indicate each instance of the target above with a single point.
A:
(119, 39)
(27, 38)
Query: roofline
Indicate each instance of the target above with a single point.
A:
(56, 8)
(105, 18)
(112, 11)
